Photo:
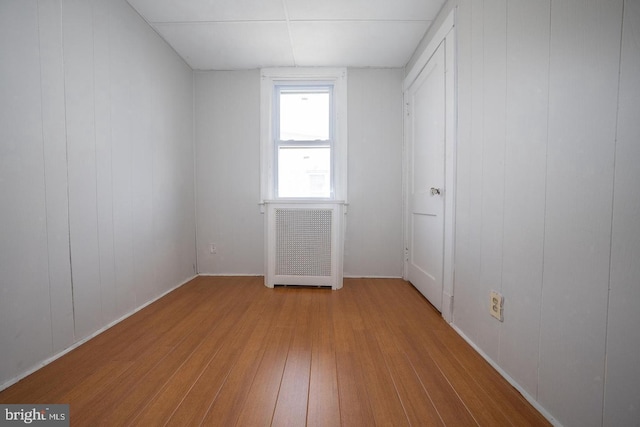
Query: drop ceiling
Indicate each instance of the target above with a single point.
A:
(246, 34)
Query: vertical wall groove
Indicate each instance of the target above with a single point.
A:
(83, 89)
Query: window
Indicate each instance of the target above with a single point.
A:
(303, 126)
(303, 141)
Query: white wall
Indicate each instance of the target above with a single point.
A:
(96, 173)
(622, 380)
(548, 201)
(227, 109)
(373, 241)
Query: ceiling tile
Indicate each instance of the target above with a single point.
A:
(230, 46)
(424, 10)
(209, 10)
(356, 44)
(243, 34)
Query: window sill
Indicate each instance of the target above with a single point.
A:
(301, 202)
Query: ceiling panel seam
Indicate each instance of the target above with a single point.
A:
(286, 17)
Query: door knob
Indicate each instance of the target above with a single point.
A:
(435, 191)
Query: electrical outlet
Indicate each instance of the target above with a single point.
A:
(496, 302)
(212, 248)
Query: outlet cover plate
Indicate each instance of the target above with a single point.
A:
(496, 302)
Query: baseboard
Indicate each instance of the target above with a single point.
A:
(230, 275)
(509, 379)
(85, 339)
(260, 275)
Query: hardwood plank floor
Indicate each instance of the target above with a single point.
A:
(223, 351)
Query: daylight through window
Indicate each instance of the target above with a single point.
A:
(304, 141)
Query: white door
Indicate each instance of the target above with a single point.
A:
(426, 150)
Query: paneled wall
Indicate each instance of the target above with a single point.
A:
(96, 173)
(548, 199)
(622, 380)
(227, 109)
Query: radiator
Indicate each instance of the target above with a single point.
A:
(304, 244)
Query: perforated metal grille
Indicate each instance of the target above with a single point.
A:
(303, 242)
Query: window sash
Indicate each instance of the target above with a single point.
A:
(305, 88)
(278, 144)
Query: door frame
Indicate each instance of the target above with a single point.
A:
(445, 34)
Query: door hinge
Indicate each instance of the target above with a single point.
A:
(407, 109)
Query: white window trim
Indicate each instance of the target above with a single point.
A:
(270, 77)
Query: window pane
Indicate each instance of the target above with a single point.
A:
(304, 116)
(304, 172)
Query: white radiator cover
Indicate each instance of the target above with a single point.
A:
(304, 243)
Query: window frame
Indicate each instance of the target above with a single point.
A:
(271, 79)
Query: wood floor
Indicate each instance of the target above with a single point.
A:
(229, 351)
